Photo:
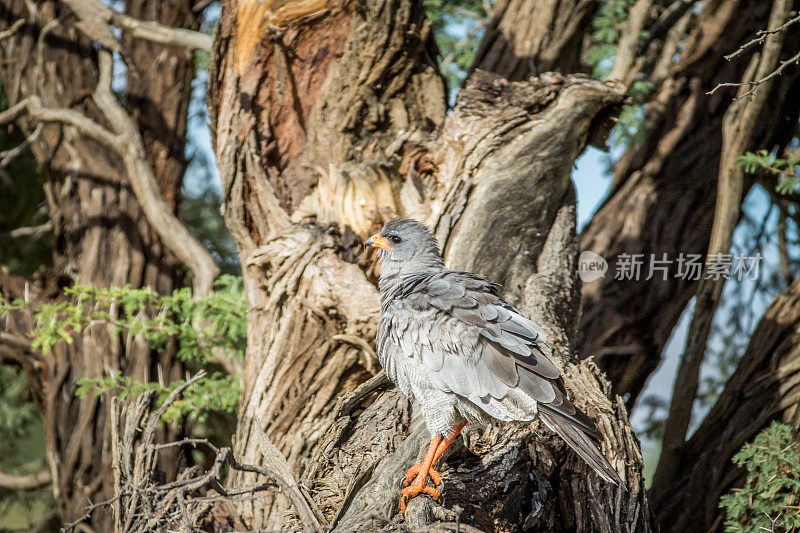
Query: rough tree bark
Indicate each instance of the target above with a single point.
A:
(102, 237)
(329, 117)
(530, 37)
(663, 192)
(763, 388)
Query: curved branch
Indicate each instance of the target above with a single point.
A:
(25, 481)
(129, 144)
(93, 12)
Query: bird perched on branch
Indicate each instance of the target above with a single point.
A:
(449, 340)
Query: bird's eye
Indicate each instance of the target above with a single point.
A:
(395, 239)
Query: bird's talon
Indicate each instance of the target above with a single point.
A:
(413, 472)
(414, 490)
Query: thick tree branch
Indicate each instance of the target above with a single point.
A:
(172, 232)
(529, 38)
(663, 193)
(764, 387)
(126, 141)
(629, 42)
(306, 147)
(102, 236)
(94, 15)
(25, 481)
(738, 130)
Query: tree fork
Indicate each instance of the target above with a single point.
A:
(338, 117)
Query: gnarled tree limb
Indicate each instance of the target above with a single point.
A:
(95, 15)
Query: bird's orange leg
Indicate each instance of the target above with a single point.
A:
(419, 473)
(448, 441)
(419, 485)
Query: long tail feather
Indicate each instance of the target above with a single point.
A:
(580, 442)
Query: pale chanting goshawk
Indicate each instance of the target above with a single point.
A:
(449, 340)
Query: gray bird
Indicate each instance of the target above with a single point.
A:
(449, 340)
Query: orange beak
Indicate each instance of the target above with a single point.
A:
(378, 241)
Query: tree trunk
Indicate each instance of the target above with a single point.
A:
(763, 388)
(325, 128)
(530, 37)
(663, 193)
(102, 237)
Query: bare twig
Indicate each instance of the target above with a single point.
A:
(95, 15)
(25, 481)
(755, 83)
(29, 232)
(142, 504)
(7, 156)
(760, 36)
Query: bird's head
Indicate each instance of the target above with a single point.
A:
(406, 245)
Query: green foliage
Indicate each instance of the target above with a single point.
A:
(215, 393)
(456, 30)
(787, 170)
(217, 321)
(607, 26)
(770, 498)
(16, 413)
(200, 329)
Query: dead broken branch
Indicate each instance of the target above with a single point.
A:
(142, 503)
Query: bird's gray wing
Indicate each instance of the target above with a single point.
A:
(508, 345)
(509, 349)
(443, 344)
(483, 349)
